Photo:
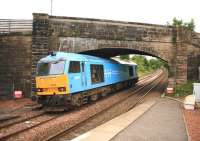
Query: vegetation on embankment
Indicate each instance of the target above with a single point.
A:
(145, 66)
(185, 89)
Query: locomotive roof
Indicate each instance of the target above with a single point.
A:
(126, 62)
(74, 57)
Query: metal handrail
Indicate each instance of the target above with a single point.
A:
(15, 25)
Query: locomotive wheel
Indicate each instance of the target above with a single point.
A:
(77, 100)
(42, 100)
(104, 94)
(94, 97)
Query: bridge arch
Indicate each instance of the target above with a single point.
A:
(111, 48)
(112, 52)
(104, 38)
(108, 38)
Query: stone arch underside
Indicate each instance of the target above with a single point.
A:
(112, 52)
(111, 48)
(109, 38)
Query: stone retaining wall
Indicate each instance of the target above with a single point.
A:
(15, 64)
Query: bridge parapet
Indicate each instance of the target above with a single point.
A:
(109, 38)
(196, 39)
(20, 50)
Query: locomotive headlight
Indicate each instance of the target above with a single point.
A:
(39, 90)
(61, 89)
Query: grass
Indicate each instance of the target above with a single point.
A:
(185, 89)
(180, 91)
(142, 73)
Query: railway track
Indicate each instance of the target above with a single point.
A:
(136, 97)
(14, 130)
(17, 128)
(23, 117)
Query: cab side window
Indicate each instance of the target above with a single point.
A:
(74, 67)
(97, 73)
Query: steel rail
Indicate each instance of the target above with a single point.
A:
(53, 137)
(4, 137)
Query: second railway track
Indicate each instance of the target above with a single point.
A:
(67, 122)
(107, 114)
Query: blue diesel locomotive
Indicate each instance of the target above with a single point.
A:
(69, 78)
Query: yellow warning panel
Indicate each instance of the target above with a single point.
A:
(53, 84)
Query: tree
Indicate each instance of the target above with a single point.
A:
(179, 23)
(190, 26)
(141, 61)
(155, 63)
(148, 65)
(124, 57)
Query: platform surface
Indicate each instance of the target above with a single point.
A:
(163, 122)
(111, 128)
(160, 120)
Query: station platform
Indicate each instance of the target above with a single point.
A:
(154, 120)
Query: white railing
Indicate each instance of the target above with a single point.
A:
(15, 25)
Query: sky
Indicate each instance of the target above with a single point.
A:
(144, 11)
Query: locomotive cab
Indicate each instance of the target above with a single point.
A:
(57, 77)
(51, 78)
(52, 84)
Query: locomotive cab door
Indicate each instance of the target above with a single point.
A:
(83, 74)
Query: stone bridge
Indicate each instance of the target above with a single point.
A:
(20, 51)
(178, 47)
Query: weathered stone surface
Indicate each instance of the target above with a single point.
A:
(20, 52)
(15, 64)
(110, 38)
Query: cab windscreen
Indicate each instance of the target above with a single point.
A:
(51, 68)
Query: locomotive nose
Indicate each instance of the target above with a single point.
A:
(49, 85)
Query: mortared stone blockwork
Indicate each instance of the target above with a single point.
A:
(20, 53)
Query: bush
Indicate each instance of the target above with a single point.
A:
(179, 23)
(185, 89)
(147, 66)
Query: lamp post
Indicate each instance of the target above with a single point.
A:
(51, 7)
